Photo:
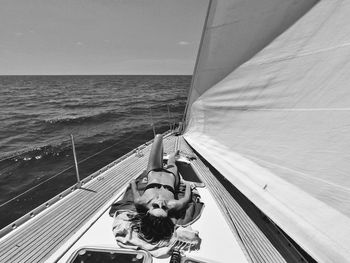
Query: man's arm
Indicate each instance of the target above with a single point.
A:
(172, 157)
(135, 193)
(177, 205)
(139, 201)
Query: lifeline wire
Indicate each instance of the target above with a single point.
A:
(32, 188)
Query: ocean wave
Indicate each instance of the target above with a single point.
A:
(85, 147)
(97, 117)
(82, 105)
(37, 153)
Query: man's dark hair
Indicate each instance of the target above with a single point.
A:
(152, 228)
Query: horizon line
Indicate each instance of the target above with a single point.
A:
(5, 75)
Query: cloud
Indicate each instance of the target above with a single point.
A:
(183, 43)
(79, 43)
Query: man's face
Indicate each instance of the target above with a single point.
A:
(158, 208)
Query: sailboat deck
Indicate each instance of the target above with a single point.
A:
(52, 231)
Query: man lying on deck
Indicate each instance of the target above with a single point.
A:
(158, 201)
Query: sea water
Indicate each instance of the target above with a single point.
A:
(108, 115)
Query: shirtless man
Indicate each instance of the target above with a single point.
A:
(158, 198)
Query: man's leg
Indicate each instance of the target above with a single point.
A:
(155, 160)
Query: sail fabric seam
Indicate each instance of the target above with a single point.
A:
(222, 25)
(212, 69)
(298, 172)
(300, 55)
(300, 109)
(276, 109)
(322, 50)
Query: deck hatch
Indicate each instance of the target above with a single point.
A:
(109, 255)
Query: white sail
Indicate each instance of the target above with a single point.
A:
(278, 128)
(234, 31)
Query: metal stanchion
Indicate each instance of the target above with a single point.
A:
(76, 162)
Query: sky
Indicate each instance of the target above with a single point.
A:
(73, 37)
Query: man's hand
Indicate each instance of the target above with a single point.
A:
(190, 185)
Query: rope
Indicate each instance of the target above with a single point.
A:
(59, 173)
